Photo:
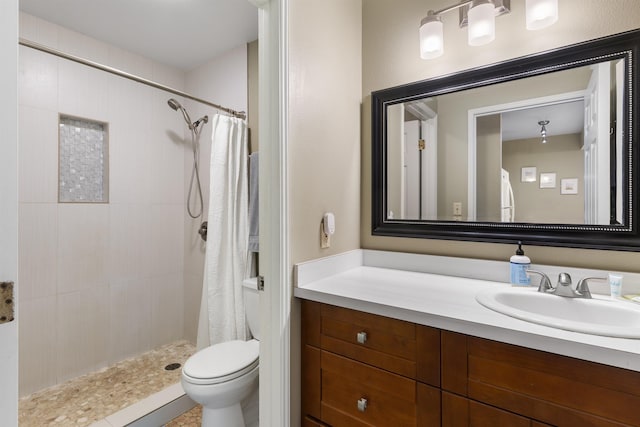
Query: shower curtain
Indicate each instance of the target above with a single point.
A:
(222, 314)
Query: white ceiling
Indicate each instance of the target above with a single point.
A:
(565, 118)
(180, 33)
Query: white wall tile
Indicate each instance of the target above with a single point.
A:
(130, 62)
(37, 79)
(83, 332)
(83, 233)
(168, 76)
(38, 250)
(130, 148)
(37, 155)
(38, 30)
(195, 247)
(192, 297)
(167, 316)
(77, 44)
(166, 238)
(83, 91)
(129, 241)
(130, 318)
(37, 329)
(166, 149)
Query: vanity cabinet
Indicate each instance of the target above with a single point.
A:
(549, 388)
(360, 369)
(366, 370)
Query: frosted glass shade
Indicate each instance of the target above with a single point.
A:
(482, 23)
(541, 13)
(431, 38)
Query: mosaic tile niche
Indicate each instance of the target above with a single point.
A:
(83, 175)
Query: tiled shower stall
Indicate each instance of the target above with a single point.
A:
(103, 281)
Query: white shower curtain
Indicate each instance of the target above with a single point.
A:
(222, 314)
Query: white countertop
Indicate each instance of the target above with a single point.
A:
(448, 303)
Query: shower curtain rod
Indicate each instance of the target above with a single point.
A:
(43, 48)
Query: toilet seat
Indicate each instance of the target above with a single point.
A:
(222, 362)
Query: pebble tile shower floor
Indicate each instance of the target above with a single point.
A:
(192, 418)
(92, 397)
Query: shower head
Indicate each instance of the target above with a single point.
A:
(176, 106)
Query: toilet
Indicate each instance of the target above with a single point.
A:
(224, 376)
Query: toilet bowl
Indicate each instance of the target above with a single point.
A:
(222, 376)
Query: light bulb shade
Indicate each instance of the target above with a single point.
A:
(431, 37)
(482, 23)
(541, 13)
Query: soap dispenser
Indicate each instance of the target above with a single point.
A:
(519, 264)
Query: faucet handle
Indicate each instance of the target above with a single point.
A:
(583, 287)
(545, 282)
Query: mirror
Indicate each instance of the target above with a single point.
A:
(540, 149)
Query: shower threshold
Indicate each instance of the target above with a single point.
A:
(156, 410)
(137, 392)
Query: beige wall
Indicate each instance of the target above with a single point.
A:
(488, 172)
(390, 57)
(324, 124)
(561, 155)
(453, 110)
(325, 80)
(395, 148)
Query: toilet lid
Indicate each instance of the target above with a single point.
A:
(223, 360)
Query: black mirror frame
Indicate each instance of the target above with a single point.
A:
(609, 237)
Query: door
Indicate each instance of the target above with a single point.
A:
(619, 144)
(9, 205)
(420, 179)
(507, 202)
(596, 146)
(420, 162)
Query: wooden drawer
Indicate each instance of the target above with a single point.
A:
(394, 345)
(549, 388)
(391, 399)
(311, 422)
(388, 343)
(461, 412)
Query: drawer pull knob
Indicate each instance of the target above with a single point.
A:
(361, 337)
(362, 404)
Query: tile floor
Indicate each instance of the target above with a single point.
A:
(192, 418)
(89, 398)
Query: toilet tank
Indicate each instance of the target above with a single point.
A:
(252, 305)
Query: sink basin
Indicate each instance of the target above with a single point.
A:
(596, 316)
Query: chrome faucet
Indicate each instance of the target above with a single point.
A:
(563, 288)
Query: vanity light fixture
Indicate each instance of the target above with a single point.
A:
(543, 130)
(541, 13)
(479, 16)
(482, 22)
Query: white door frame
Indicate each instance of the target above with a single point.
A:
(275, 307)
(474, 113)
(597, 145)
(9, 206)
(429, 122)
